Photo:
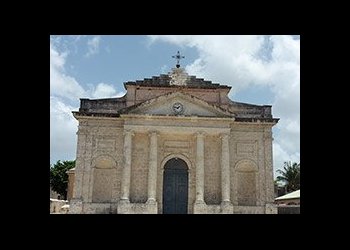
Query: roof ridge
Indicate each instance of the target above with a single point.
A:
(165, 80)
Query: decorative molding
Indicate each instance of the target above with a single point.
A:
(201, 134)
(129, 132)
(176, 144)
(104, 158)
(153, 132)
(178, 77)
(246, 165)
(105, 144)
(180, 156)
(246, 148)
(225, 134)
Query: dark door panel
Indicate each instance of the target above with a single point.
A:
(175, 187)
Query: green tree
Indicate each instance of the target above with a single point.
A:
(59, 177)
(290, 176)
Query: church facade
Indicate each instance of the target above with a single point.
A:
(173, 144)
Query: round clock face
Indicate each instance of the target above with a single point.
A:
(178, 108)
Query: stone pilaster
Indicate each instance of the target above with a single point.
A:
(271, 209)
(152, 170)
(79, 165)
(71, 175)
(268, 166)
(78, 181)
(86, 191)
(261, 182)
(200, 168)
(126, 172)
(225, 170)
(76, 204)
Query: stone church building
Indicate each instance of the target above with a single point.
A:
(173, 144)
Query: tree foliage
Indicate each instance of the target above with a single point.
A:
(290, 176)
(59, 177)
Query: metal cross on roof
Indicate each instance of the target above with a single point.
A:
(178, 58)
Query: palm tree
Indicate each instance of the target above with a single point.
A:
(290, 175)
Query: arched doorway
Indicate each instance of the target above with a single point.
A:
(175, 187)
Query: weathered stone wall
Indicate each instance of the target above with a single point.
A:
(206, 95)
(246, 188)
(142, 94)
(110, 105)
(97, 208)
(102, 184)
(98, 138)
(249, 210)
(139, 168)
(248, 165)
(212, 170)
(164, 106)
(99, 181)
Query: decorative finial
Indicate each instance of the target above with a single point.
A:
(178, 58)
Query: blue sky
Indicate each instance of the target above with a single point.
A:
(260, 69)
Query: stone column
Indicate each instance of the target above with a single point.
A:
(127, 165)
(200, 168)
(225, 168)
(152, 170)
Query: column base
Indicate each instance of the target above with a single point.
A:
(226, 207)
(124, 206)
(271, 209)
(75, 206)
(151, 201)
(151, 206)
(200, 207)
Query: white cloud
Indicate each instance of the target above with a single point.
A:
(66, 89)
(60, 83)
(93, 46)
(66, 86)
(246, 61)
(63, 127)
(104, 90)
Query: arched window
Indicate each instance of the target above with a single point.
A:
(104, 173)
(246, 172)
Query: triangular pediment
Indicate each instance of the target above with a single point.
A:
(175, 104)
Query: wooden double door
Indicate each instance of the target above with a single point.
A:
(175, 187)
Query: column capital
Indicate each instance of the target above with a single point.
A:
(225, 135)
(129, 132)
(200, 134)
(153, 133)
